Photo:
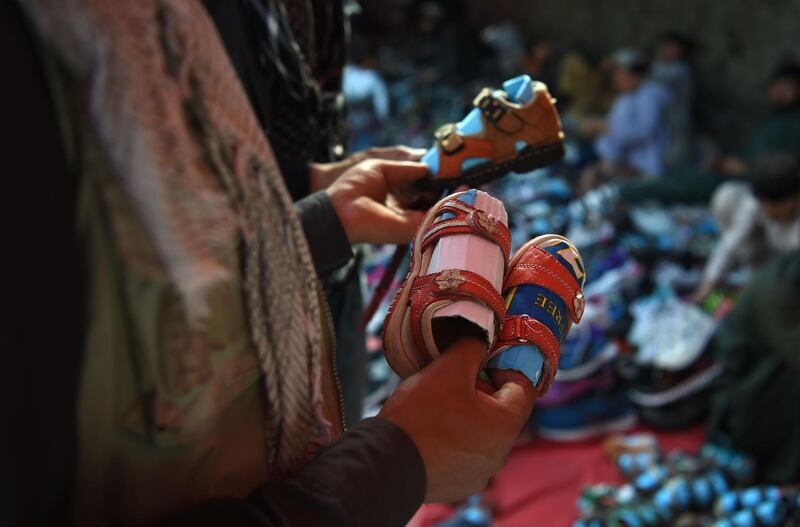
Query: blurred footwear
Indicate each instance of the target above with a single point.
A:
(516, 129)
(585, 352)
(543, 291)
(673, 398)
(736, 500)
(736, 465)
(767, 514)
(562, 392)
(593, 415)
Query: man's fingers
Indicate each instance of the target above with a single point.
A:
(396, 153)
(388, 225)
(485, 386)
(399, 173)
(515, 394)
(464, 359)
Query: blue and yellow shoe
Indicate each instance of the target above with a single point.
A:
(543, 291)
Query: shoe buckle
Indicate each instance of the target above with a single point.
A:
(490, 107)
(449, 139)
(579, 305)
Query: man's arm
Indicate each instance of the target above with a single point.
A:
(744, 223)
(327, 240)
(374, 475)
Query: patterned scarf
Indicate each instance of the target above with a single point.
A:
(172, 117)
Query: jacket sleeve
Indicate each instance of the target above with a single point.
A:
(330, 248)
(373, 476)
(742, 229)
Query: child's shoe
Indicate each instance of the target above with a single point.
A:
(515, 129)
(458, 259)
(543, 289)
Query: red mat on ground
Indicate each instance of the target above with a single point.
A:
(542, 481)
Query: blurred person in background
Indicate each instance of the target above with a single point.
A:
(757, 222)
(633, 139)
(568, 76)
(779, 131)
(754, 405)
(367, 96)
(673, 69)
(167, 353)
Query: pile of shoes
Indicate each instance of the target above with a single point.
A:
(711, 488)
(586, 399)
(672, 372)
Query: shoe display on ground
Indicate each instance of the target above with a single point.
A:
(516, 129)
(593, 415)
(673, 399)
(562, 392)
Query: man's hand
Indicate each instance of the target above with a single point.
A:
(463, 428)
(362, 199)
(324, 174)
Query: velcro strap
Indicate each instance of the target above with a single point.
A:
(544, 270)
(520, 330)
(456, 285)
(469, 220)
(498, 112)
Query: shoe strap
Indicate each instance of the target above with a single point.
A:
(498, 111)
(520, 330)
(543, 269)
(456, 285)
(468, 220)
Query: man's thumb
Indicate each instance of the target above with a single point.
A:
(516, 393)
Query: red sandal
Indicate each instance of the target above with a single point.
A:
(408, 335)
(543, 289)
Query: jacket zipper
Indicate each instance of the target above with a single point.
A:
(331, 336)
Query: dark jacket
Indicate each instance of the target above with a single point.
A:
(372, 476)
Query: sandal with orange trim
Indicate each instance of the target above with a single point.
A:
(413, 335)
(543, 290)
(516, 129)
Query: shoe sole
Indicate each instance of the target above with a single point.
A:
(529, 158)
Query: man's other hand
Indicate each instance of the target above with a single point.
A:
(363, 201)
(462, 427)
(324, 174)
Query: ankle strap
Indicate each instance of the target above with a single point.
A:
(455, 285)
(520, 330)
(544, 270)
(468, 220)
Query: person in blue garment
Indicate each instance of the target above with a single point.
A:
(634, 137)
